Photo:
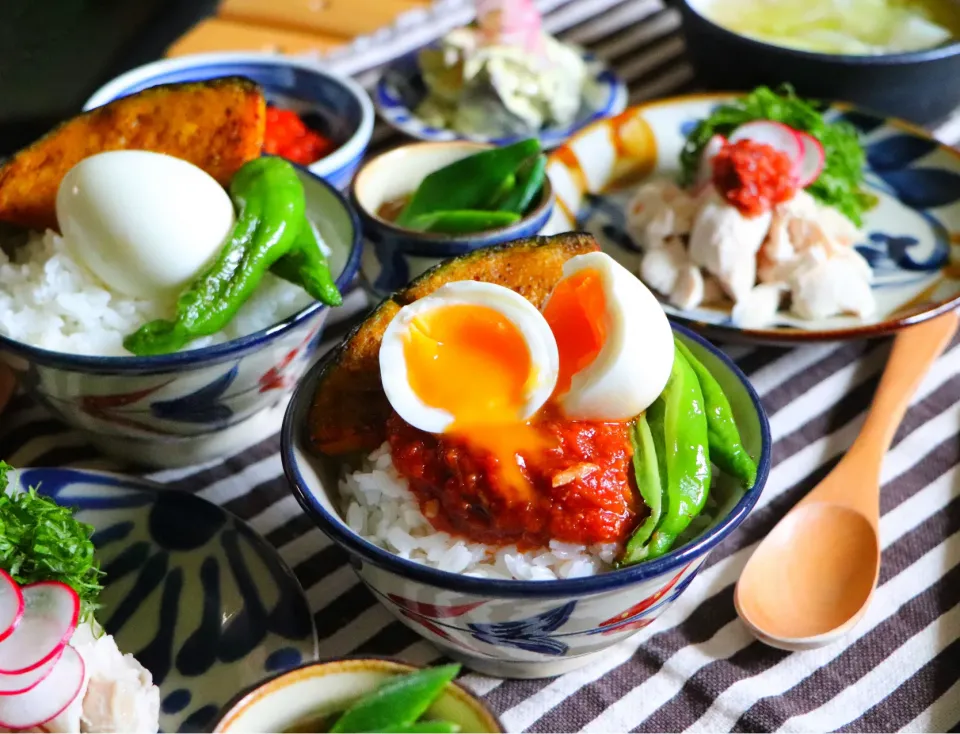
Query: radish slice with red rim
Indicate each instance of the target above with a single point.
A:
(49, 698)
(51, 612)
(812, 160)
(775, 134)
(714, 145)
(11, 605)
(22, 682)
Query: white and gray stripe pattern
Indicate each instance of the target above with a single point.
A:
(697, 668)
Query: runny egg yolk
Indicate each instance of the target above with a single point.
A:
(470, 361)
(474, 363)
(577, 315)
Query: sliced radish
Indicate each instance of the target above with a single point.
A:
(775, 134)
(11, 685)
(51, 612)
(714, 145)
(812, 159)
(49, 698)
(11, 605)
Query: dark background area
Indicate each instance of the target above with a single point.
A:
(55, 53)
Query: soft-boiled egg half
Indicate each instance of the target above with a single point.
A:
(468, 355)
(144, 223)
(473, 356)
(614, 339)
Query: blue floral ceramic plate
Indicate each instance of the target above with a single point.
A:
(192, 592)
(401, 89)
(911, 239)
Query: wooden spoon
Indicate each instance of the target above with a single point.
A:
(811, 579)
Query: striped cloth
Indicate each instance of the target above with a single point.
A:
(696, 668)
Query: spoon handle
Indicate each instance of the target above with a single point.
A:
(915, 349)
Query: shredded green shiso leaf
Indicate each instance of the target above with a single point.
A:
(42, 541)
(838, 185)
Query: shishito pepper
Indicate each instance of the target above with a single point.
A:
(270, 203)
(305, 265)
(726, 450)
(647, 472)
(474, 182)
(529, 181)
(461, 221)
(398, 703)
(678, 429)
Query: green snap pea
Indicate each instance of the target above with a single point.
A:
(530, 178)
(726, 450)
(647, 472)
(678, 425)
(463, 221)
(305, 265)
(269, 199)
(397, 703)
(473, 182)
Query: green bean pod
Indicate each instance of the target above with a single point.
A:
(678, 425)
(726, 449)
(397, 703)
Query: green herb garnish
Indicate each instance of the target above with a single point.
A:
(838, 185)
(42, 541)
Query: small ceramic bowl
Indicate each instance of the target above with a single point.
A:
(335, 106)
(401, 89)
(525, 629)
(393, 255)
(198, 404)
(325, 688)
(920, 86)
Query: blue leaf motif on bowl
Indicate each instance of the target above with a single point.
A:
(923, 188)
(891, 254)
(200, 406)
(897, 152)
(527, 634)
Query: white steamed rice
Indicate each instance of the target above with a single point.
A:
(49, 300)
(377, 504)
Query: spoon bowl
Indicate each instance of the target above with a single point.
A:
(811, 579)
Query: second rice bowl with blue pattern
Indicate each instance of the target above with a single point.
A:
(527, 546)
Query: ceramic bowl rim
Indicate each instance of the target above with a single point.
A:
(608, 581)
(936, 53)
(202, 355)
(474, 700)
(430, 240)
(618, 97)
(353, 147)
(791, 336)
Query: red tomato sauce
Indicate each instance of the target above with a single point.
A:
(753, 176)
(583, 489)
(287, 136)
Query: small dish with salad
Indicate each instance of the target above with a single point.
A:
(500, 79)
(425, 202)
(770, 216)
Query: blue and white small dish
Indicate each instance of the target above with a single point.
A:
(526, 629)
(335, 106)
(392, 255)
(198, 404)
(911, 239)
(401, 89)
(201, 600)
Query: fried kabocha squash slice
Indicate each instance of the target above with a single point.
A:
(217, 125)
(350, 410)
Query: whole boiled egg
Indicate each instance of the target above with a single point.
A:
(614, 341)
(470, 355)
(144, 223)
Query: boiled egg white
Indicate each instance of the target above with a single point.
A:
(614, 341)
(469, 356)
(144, 223)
